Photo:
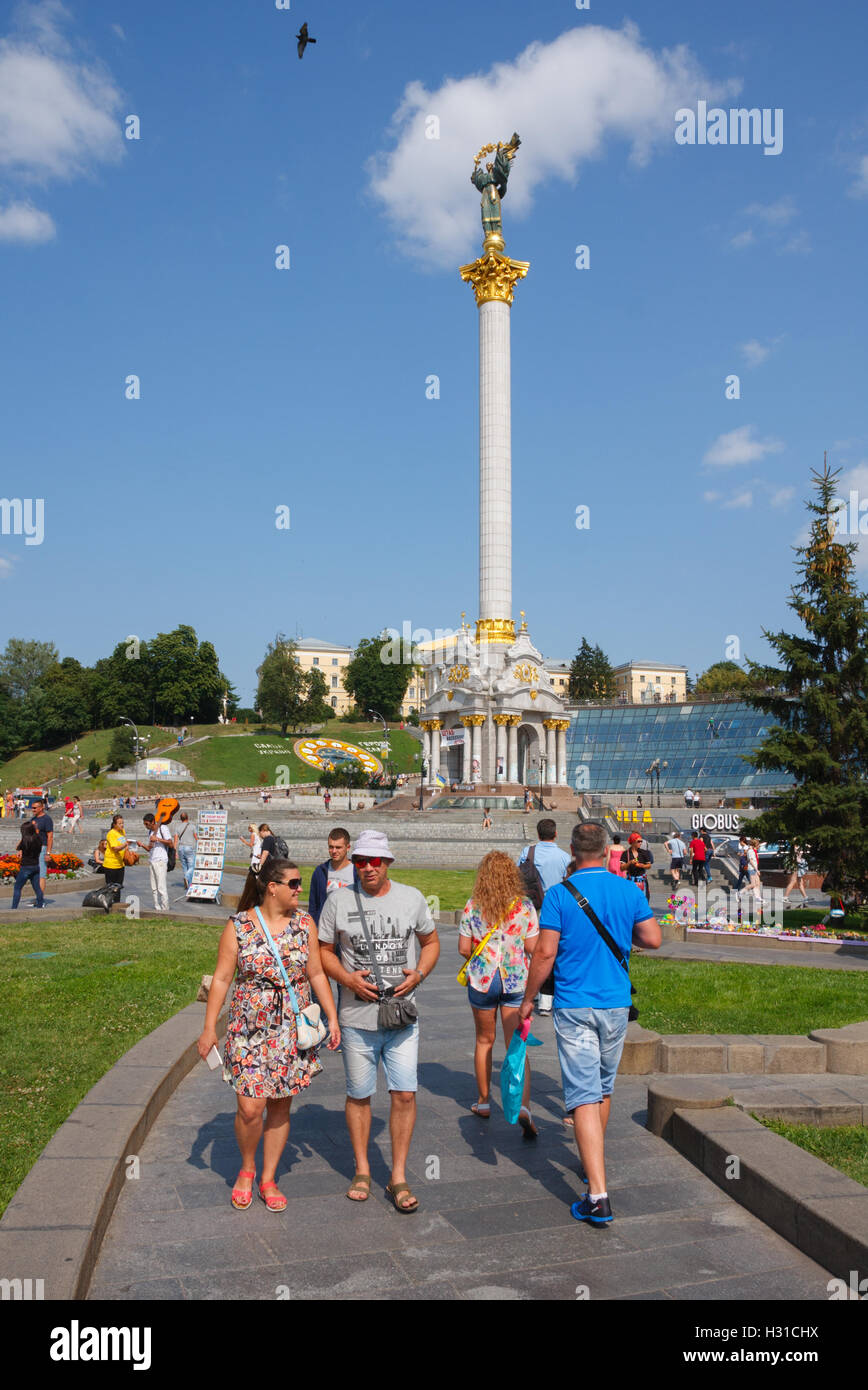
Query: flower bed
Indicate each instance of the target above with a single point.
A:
(682, 912)
(58, 865)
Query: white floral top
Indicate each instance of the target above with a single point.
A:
(505, 950)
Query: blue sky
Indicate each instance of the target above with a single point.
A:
(306, 387)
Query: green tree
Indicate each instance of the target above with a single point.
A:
(23, 662)
(376, 677)
(188, 683)
(9, 717)
(818, 700)
(591, 675)
(93, 767)
(317, 709)
(59, 706)
(283, 689)
(122, 748)
(721, 679)
(124, 685)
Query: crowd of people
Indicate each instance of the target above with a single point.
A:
(553, 927)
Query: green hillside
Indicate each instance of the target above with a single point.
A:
(228, 757)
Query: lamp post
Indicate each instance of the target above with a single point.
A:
(135, 754)
(652, 772)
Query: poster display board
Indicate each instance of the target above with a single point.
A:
(211, 828)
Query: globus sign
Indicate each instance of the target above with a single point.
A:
(716, 820)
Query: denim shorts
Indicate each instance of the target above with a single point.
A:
(364, 1048)
(590, 1043)
(43, 862)
(494, 997)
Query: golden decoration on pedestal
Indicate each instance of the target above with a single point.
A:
(533, 694)
(495, 630)
(525, 672)
(459, 673)
(450, 694)
(494, 276)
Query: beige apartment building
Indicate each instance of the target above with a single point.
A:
(332, 660)
(650, 682)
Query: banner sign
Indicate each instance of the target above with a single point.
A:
(716, 820)
(211, 828)
(451, 738)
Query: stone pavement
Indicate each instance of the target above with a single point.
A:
(494, 1220)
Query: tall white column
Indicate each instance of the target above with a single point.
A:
(426, 749)
(435, 753)
(501, 750)
(562, 754)
(477, 751)
(512, 745)
(495, 462)
(551, 752)
(466, 769)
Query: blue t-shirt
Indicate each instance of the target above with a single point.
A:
(549, 861)
(587, 975)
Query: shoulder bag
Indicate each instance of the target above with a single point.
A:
(609, 940)
(310, 1027)
(461, 977)
(392, 1013)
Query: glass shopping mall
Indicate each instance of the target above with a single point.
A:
(696, 745)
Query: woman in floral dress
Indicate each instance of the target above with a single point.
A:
(261, 1058)
(497, 974)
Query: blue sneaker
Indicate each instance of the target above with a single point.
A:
(598, 1213)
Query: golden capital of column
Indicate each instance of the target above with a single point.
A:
(429, 725)
(562, 725)
(502, 720)
(551, 723)
(514, 719)
(471, 720)
(495, 630)
(494, 276)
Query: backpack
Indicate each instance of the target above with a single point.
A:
(532, 881)
(281, 848)
(103, 897)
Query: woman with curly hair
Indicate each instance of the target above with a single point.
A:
(497, 969)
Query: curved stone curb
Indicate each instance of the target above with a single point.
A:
(820, 1211)
(55, 1223)
(837, 1050)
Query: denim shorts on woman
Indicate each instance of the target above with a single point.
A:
(590, 1043)
(494, 996)
(364, 1048)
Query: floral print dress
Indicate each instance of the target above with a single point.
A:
(261, 1058)
(505, 951)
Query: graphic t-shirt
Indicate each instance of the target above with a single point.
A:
(587, 975)
(340, 878)
(393, 921)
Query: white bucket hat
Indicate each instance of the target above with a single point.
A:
(374, 844)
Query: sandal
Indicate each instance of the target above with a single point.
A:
(528, 1128)
(243, 1196)
(482, 1108)
(361, 1183)
(275, 1201)
(394, 1189)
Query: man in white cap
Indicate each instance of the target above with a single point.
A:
(373, 928)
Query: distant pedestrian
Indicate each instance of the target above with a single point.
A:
(253, 841)
(797, 877)
(754, 881)
(546, 865)
(688, 797)
(636, 863)
(705, 836)
(698, 854)
(677, 855)
(528, 799)
(45, 825)
(338, 871)
(68, 808)
(592, 996)
(486, 818)
(29, 846)
(186, 843)
(497, 935)
(742, 862)
(113, 855)
(614, 855)
(327, 799)
(159, 838)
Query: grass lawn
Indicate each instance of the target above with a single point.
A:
(67, 1019)
(452, 886)
(844, 1147)
(677, 996)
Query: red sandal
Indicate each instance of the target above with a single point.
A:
(243, 1196)
(274, 1202)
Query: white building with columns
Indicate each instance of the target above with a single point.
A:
(492, 716)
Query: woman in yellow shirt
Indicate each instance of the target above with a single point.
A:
(115, 844)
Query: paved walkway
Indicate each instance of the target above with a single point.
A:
(494, 1221)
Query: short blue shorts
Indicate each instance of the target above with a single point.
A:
(364, 1048)
(494, 997)
(590, 1043)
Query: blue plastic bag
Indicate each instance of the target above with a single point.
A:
(512, 1071)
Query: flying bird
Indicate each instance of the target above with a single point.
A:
(303, 39)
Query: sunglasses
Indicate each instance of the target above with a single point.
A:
(363, 860)
(292, 883)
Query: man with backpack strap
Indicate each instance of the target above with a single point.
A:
(542, 866)
(159, 844)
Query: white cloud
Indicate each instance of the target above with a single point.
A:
(775, 214)
(782, 495)
(859, 187)
(568, 100)
(118, 29)
(755, 352)
(23, 222)
(740, 446)
(799, 245)
(5, 567)
(58, 115)
(741, 499)
(768, 223)
(711, 496)
(745, 238)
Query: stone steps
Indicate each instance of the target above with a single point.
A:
(824, 1051)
